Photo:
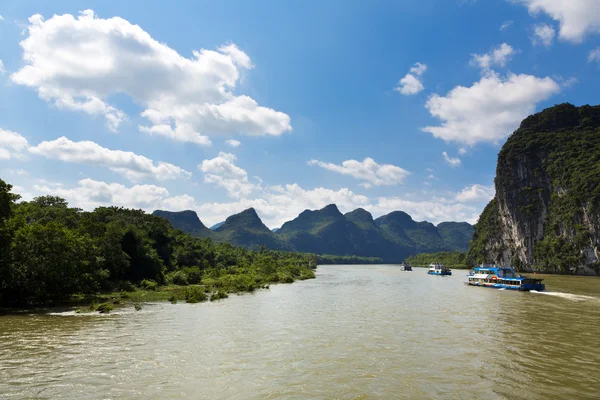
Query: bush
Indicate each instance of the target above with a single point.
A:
(218, 295)
(178, 278)
(194, 275)
(194, 294)
(148, 284)
(104, 308)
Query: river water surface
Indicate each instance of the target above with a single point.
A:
(355, 332)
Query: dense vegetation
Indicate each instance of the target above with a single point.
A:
(389, 238)
(452, 259)
(52, 252)
(326, 259)
(548, 178)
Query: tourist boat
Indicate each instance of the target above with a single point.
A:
(405, 267)
(503, 278)
(439, 269)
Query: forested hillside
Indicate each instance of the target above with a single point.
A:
(50, 251)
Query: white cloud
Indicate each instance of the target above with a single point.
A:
(489, 110)
(411, 83)
(505, 25)
(543, 34)
(453, 162)
(594, 55)
(90, 194)
(224, 173)
(274, 204)
(476, 193)
(462, 151)
(576, 17)
(432, 211)
(233, 143)
(185, 99)
(1, 18)
(131, 165)
(12, 145)
(2, 69)
(498, 56)
(368, 170)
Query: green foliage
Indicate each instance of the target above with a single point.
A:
(51, 252)
(325, 259)
(148, 284)
(220, 294)
(552, 161)
(327, 231)
(487, 230)
(452, 259)
(195, 294)
(104, 308)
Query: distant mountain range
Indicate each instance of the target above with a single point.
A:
(392, 237)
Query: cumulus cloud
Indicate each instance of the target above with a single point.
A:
(223, 172)
(476, 194)
(432, 211)
(185, 99)
(594, 55)
(90, 194)
(452, 161)
(496, 57)
(368, 170)
(12, 145)
(131, 165)
(274, 204)
(576, 17)
(489, 110)
(411, 83)
(543, 34)
(2, 70)
(462, 151)
(233, 143)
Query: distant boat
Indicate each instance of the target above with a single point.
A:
(439, 269)
(405, 267)
(494, 277)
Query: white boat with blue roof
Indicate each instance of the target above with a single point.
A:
(504, 277)
(439, 269)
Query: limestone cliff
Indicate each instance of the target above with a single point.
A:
(546, 213)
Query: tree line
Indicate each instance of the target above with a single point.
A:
(50, 251)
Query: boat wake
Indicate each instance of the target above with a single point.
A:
(569, 296)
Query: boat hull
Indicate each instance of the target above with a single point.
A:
(439, 273)
(526, 287)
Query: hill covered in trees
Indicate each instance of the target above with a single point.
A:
(390, 238)
(50, 251)
(546, 212)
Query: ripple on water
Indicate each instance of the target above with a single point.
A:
(355, 332)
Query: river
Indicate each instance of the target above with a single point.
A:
(355, 332)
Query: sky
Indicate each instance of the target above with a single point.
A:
(282, 106)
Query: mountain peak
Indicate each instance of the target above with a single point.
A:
(187, 221)
(359, 215)
(246, 219)
(330, 209)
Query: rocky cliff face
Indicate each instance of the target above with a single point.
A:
(546, 213)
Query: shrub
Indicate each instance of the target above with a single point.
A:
(218, 295)
(194, 294)
(178, 278)
(148, 284)
(104, 308)
(194, 275)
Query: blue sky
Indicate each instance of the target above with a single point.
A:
(382, 105)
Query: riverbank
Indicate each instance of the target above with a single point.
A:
(210, 289)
